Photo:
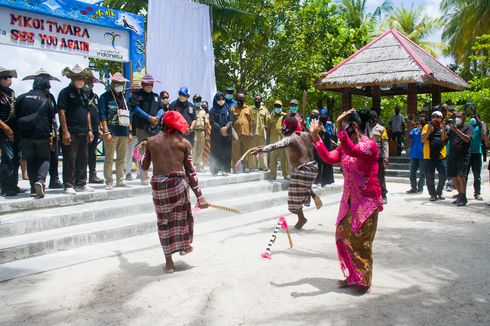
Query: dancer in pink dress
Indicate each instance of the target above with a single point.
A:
(361, 200)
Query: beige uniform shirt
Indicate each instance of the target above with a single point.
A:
(260, 120)
(242, 120)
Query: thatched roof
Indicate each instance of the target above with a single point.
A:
(391, 60)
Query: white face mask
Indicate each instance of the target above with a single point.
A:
(278, 110)
(119, 88)
(458, 121)
(221, 102)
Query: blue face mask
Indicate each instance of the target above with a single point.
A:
(229, 96)
(278, 110)
(197, 104)
(473, 121)
(293, 109)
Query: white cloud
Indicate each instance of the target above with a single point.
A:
(28, 61)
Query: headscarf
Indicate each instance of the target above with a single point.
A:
(175, 122)
(221, 110)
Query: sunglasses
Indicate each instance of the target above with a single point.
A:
(6, 77)
(165, 98)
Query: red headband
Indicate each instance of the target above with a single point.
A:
(175, 121)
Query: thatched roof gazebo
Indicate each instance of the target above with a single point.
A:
(391, 64)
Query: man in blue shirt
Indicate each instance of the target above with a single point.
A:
(417, 157)
(229, 97)
(116, 127)
(476, 155)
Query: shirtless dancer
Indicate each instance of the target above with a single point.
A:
(305, 169)
(173, 172)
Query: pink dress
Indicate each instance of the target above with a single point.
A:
(362, 192)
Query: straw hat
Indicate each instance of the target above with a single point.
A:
(41, 73)
(4, 72)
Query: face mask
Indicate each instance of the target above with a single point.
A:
(240, 102)
(293, 109)
(422, 123)
(229, 96)
(205, 108)
(221, 102)
(119, 88)
(257, 104)
(197, 104)
(314, 116)
(458, 121)
(436, 123)
(278, 110)
(87, 88)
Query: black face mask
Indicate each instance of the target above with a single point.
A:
(205, 108)
(314, 116)
(240, 102)
(257, 104)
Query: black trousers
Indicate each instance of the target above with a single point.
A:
(92, 156)
(430, 170)
(37, 154)
(381, 177)
(54, 175)
(475, 167)
(75, 157)
(9, 165)
(325, 172)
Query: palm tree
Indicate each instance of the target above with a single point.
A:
(415, 25)
(356, 12)
(464, 21)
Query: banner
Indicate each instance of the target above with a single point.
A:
(22, 28)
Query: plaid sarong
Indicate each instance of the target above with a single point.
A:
(173, 208)
(300, 184)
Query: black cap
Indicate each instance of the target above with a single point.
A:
(197, 97)
(230, 90)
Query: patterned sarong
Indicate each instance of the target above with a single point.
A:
(355, 249)
(300, 184)
(173, 208)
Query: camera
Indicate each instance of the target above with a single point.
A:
(450, 121)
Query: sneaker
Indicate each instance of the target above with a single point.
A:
(33, 194)
(123, 185)
(11, 193)
(55, 185)
(84, 189)
(129, 177)
(433, 198)
(462, 201)
(441, 197)
(95, 179)
(412, 191)
(39, 188)
(478, 197)
(109, 187)
(457, 200)
(20, 190)
(69, 191)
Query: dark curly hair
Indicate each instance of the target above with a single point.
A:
(360, 117)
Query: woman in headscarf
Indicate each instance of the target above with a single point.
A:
(221, 120)
(325, 170)
(361, 200)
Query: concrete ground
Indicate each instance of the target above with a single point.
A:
(431, 267)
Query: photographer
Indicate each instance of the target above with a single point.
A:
(459, 136)
(476, 152)
(434, 139)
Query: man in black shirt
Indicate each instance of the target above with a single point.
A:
(9, 141)
(186, 108)
(76, 130)
(35, 114)
(459, 136)
(93, 103)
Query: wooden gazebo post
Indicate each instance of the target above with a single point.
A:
(346, 99)
(436, 95)
(376, 99)
(412, 99)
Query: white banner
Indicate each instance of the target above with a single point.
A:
(21, 28)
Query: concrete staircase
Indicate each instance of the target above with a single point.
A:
(33, 232)
(398, 169)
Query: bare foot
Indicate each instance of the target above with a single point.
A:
(169, 265)
(343, 284)
(318, 201)
(187, 251)
(300, 223)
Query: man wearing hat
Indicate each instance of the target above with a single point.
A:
(260, 115)
(116, 128)
(274, 133)
(199, 130)
(35, 114)
(76, 130)
(186, 108)
(54, 177)
(147, 112)
(434, 138)
(229, 97)
(243, 123)
(9, 142)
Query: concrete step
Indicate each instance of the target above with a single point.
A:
(399, 166)
(388, 172)
(50, 241)
(56, 198)
(203, 226)
(400, 159)
(24, 222)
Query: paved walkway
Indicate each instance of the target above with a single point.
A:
(431, 267)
